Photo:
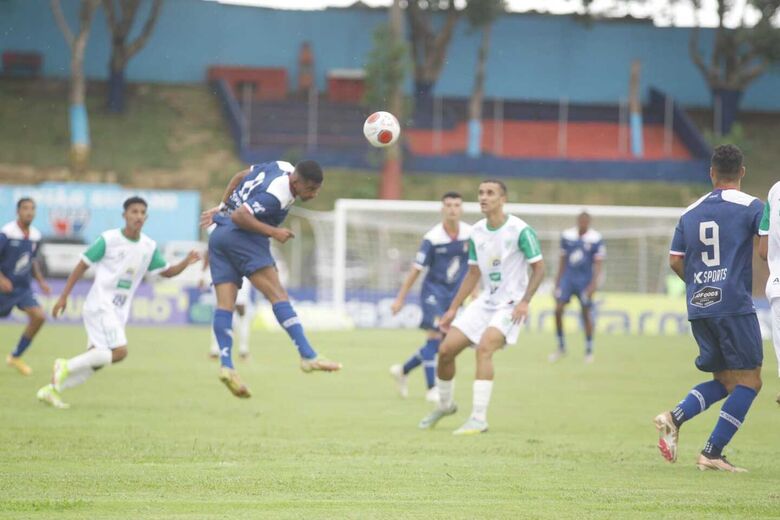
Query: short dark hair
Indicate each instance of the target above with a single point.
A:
(727, 161)
(22, 201)
(310, 171)
(134, 200)
(451, 195)
(496, 181)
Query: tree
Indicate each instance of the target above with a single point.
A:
(385, 73)
(120, 23)
(429, 46)
(79, 125)
(481, 14)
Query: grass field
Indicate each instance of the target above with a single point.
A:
(159, 437)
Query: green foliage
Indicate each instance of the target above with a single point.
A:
(158, 436)
(481, 13)
(736, 137)
(386, 68)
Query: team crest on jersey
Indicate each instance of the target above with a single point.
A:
(258, 208)
(706, 296)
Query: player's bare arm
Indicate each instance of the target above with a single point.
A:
(597, 264)
(246, 221)
(470, 281)
(763, 247)
(207, 217)
(561, 269)
(38, 275)
(520, 311)
(411, 277)
(677, 263)
(75, 276)
(191, 258)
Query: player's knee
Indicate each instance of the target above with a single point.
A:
(37, 316)
(118, 354)
(446, 354)
(485, 351)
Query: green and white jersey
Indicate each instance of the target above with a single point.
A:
(770, 225)
(503, 256)
(120, 265)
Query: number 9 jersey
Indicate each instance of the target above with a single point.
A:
(715, 235)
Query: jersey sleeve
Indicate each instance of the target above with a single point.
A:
(263, 204)
(763, 227)
(529, 245)
(158, 262)
(424, 255)
(678, 241)
(95, 252)
(472, 252)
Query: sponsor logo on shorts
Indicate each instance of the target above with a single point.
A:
(706, 297)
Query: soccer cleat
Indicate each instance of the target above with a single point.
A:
(705, 463)
(233, 383)
(243, 355)
(18, 364)
(589, 359)
(397, 372)
(432, 395)
(472, 427)
(668, 435)
(556, 356)
(59, 373)
(49, 395)
(319, 364)
(430, 420)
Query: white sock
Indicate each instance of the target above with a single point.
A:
(446, 390)
(242, 323)
(482, 390)
(92, 358)
(76, 378)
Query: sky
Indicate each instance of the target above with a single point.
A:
(682, 15)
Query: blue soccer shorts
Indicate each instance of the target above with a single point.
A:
(728, 343)
(22, 298)
(569, 288)
(234, 254)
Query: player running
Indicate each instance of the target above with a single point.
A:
(501, 249)
(121, 258)
(712, 252)
(579, 272)
(253, 207)
(769, 249)
(444, 251)
(19, 244)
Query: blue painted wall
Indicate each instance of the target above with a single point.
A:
(533, 57)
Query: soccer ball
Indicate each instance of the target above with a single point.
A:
(381, 129)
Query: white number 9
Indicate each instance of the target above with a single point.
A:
(712, 240)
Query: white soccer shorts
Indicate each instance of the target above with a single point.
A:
(476, 318)
(776, 330)
(244, 294)
(105, 329)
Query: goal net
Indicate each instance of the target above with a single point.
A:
(363, 249)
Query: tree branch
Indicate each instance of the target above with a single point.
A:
(62, 23)
(108, 5)
(139, 42)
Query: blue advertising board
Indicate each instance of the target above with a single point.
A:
(83, 211)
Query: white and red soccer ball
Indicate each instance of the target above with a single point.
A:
(381, 129)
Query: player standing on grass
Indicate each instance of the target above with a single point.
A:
(253, 207)
(579, 271)
(19, 243)
(501, 249)
(712, 252)
(444, 251)
(121, 257)
(769, 249)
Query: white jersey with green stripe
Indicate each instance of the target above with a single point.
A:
(503, 255)
(120, 265)
(770, 226)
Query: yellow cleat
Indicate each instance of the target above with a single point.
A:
(49, 395)
(233, 383)
(705, 463)
(319, 364)
(18, 364)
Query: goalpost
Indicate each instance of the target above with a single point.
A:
(364, 248)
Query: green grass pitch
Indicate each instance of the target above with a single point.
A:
(158, 436)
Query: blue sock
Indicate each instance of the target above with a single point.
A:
(414, 361)
(223, 330)
(289, 321)
(24, 342)
(732, 415)
(700, 398)
(589, 344)
(561, 342)
(428, 353)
